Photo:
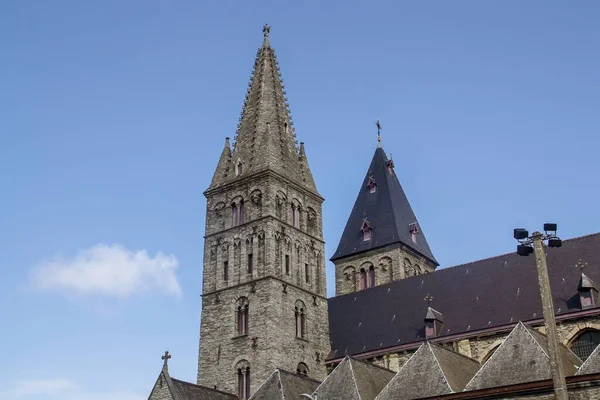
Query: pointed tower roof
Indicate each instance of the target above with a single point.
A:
(586, 283)
(522, 357)
(265, 138)
(388, 211)
(431, 371)
(284, 385)
(353, 379)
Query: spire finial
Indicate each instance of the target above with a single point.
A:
(165, 359)
(378, 125)
(266, 30)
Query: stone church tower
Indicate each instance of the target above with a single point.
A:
(382, 240)
(264, 300)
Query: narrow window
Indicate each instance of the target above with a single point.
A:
(239, 168)
(234, 215)
(242, 316)
(250, 263)
(586, 298)
(363, 279)
(429, 329)
(243, 375)
(372, 277)
(295, 216)
(366, 235)
(300, 320)
(241, 213)
(287, 264)
(306, 273)
(372, 185)
(225, 270)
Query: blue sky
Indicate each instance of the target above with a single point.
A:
(113, 116)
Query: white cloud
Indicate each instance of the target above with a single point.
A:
(51, 389)
(110, 270)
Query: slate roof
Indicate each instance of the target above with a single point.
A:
(190, 391)
(484, 294)
(354, 380)
(522, 357)
(592, 364)
(284, 385)
(431, 371)
(387, 210)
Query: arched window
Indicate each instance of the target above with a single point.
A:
(372, 276)
(239, 168)
(237, 213)
(408, 269)
(300, 320)
(363, 279)
(242, 316)
(585, 343)
(302, 369)
(295, 216)
(243, 376)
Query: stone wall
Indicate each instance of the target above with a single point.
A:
(391, 263)
(481, 347)
(282, 230)
(160, 390)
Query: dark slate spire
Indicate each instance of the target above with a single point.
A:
(388, 211)
(265, 138)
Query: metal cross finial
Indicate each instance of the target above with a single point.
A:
(428, 298)
(266, 30)
(581, 264)
(165, 359)
(379, 128)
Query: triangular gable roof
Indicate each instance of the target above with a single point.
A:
(163, 388)
(431, 371)
(354, 380)
(592, 364)
(387, 210)
(191, 391)
(522, 357)
(284, 385)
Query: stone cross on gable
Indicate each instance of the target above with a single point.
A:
(165, 359)
(581, 265)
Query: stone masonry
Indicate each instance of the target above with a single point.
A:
(391, 263)
(263, 247)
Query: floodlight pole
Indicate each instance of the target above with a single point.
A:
(558, 374)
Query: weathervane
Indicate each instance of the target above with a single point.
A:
(379, 128)
(581, 265)
(428, 298)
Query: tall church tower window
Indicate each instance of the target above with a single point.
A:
(363, 279)
(237, 213)
(242, 316)
(300, 320)
(372, 276)
(243, 375)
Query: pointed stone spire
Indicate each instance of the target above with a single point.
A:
(265, 138)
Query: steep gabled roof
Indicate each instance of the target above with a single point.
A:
(354, 380)
(167, 388)
(494, 292)
(522, 357)
(387, 210)
(592, 364)
(284, 385)
(431, 371)
(265, 138)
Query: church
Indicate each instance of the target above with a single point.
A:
(396, 328)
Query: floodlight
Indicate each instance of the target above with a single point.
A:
(550, 227)
(520, 234)
(554, 242)
(524, 249)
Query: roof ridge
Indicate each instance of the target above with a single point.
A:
(455, 352)
(297, 375)
(370, 364)
(439, 366)
(202, 386)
